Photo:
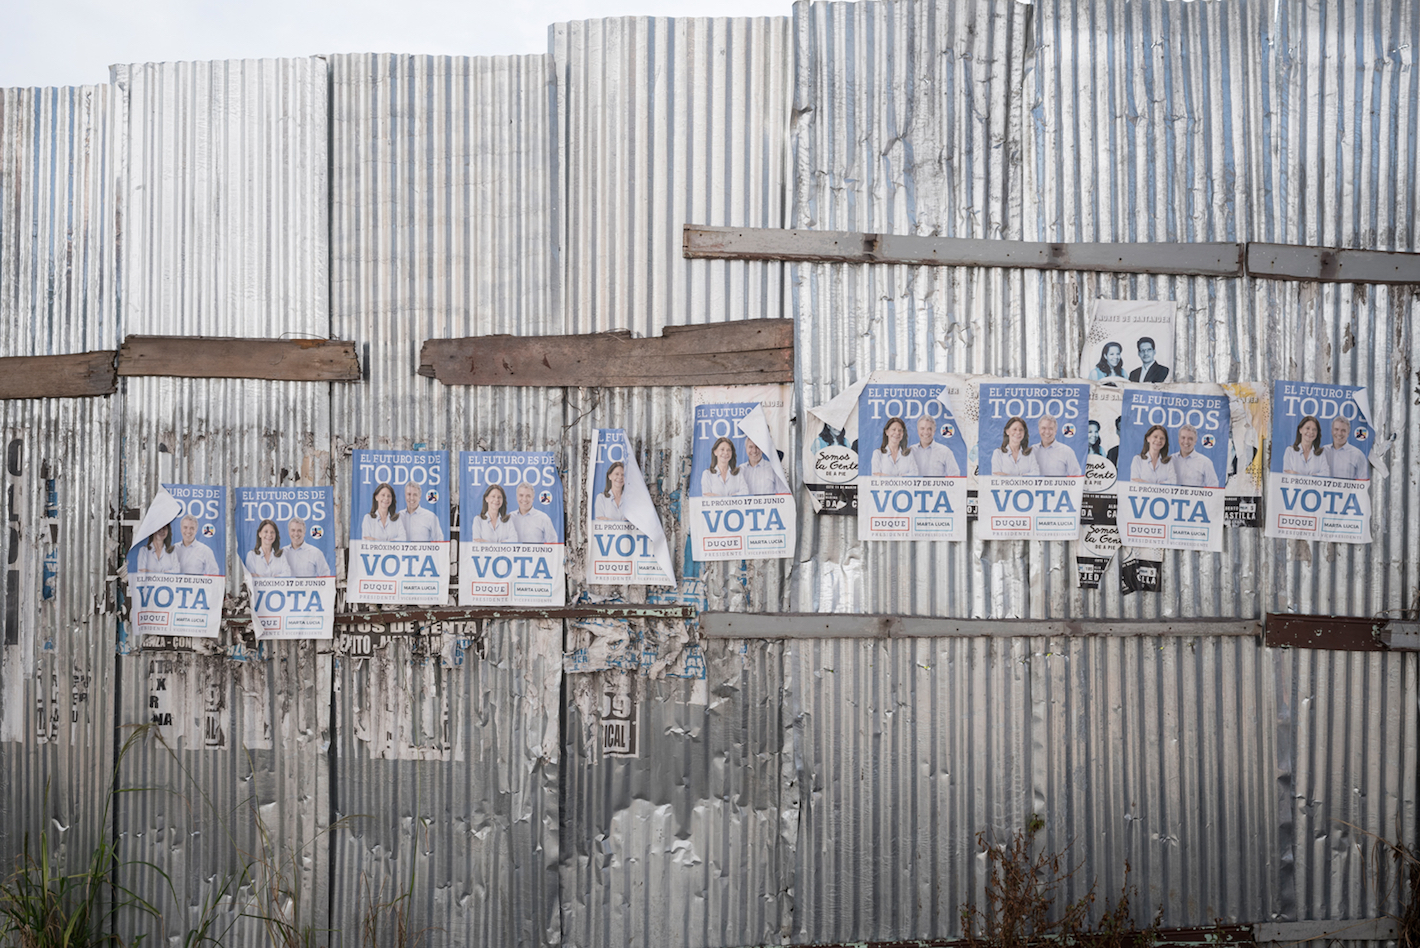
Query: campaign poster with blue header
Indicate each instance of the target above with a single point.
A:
(177, 571)
(1318, 482)
(740, 507)
(511, 530)
(399, 528)
(1033, 437)
(912, 464)
(1173, 467)
(626, 542)
(286, 539)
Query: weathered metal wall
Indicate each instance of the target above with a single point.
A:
(224, 184)
(58, 218)
(446, 767)
(1336, 95)
(810, 791)
(1131, 122)
(663, 122)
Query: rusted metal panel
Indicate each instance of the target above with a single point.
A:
(58, 376)
(1345, 633)
(230, 357)
(740, 353)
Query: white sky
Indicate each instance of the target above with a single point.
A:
(73, 42)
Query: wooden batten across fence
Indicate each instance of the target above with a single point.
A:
(58, 376)
(735, 353)
(212, 357)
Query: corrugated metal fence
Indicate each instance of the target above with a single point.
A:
(806, 791)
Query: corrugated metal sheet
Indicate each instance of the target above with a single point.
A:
(446, 775)
(224, 186)
(58, 216)
(664, 122)
(823, 791)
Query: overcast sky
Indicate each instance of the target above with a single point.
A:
(73, 42)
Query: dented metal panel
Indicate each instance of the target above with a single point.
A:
(58, 465)
(224, 184)
(446, 760)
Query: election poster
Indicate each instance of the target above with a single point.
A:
(511, 530)
(399, 528)
(1242, 496)
(830, 453)
(1031, 444)
(740, 506)
(1318, 485)
(626, 542)
(177, 565)
(1101, 456)
(1130, 341)
(912, 471)
(1173, 453)
(286, 538)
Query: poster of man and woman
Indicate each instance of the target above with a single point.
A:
(626, 541)
(1173, 451)
(912, 471)
(399, 528)
(287, 539)
(1032, 442)
(741, 506)
(177, 562)
(511, 530)
(1317, 485)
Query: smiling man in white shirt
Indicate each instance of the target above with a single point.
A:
(1343, 459)
(304, 559)
(532, 526)
(1053, 458)
(421, 525)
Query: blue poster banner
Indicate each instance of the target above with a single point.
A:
(286, 539)
(912, 464)
(740, 506)
(1173, 467)
(177, 565)
(1318, 482)
(1031, 454)
(511, 530)
(399, 528)
(625, 538)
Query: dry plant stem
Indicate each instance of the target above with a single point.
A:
(1021, 890)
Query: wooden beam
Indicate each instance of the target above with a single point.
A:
(58, 376)
(220, 357)
(734, 353)
(821, 246)
(1332, 265)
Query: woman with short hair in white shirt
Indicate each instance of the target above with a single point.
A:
(723, 479)
(1153, 466)
(1013, 458)
(893, 458)
(1305, 456)
(492, 525)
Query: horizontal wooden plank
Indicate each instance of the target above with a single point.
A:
(220, 357)
(742, 352)
(736, 243)
(1331, 265)
(742, 625)
(58, 376)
